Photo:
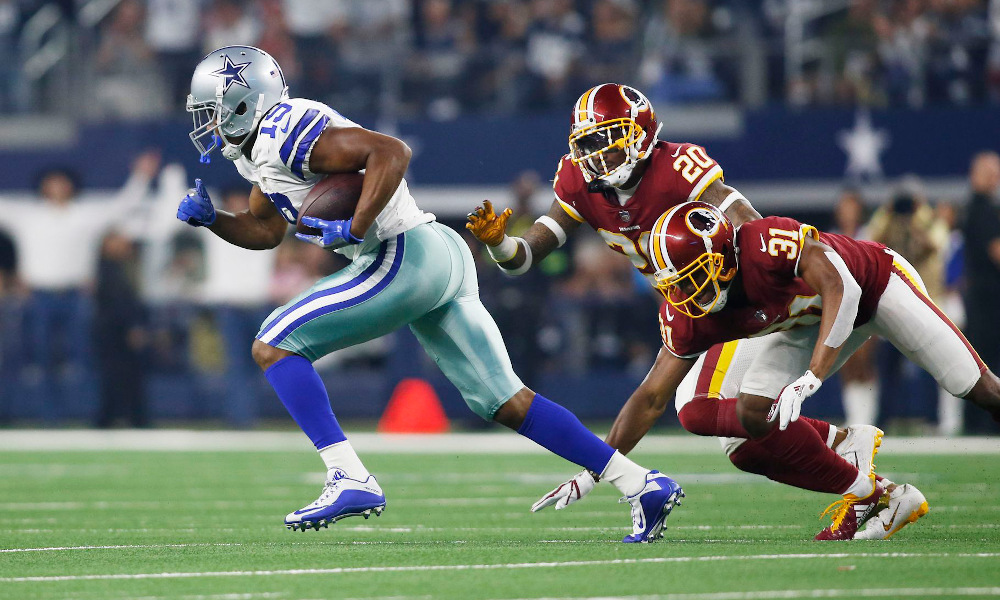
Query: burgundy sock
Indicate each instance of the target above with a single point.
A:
(750, 457)
(801, 448)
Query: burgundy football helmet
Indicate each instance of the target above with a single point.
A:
(614, 127)
(693, 250)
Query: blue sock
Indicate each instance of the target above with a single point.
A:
(302, 392)
(556, 429)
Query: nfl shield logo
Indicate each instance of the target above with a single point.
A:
(625, 216)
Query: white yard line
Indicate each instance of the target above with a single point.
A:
(237, 596)
(420, 529)
(174, 440)
(490, 567)
(116, 547)
(825, 593)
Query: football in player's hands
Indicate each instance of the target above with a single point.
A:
(334, 198)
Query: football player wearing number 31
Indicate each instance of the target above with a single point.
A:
(823, 295)
(405, 270)
(619, 178)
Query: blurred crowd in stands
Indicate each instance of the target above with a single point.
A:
(442, 58)
(99, 293)
(117, 290)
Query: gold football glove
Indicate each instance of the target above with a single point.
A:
(488, 227)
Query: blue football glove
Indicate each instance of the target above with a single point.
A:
(196, 208)
(336, 234)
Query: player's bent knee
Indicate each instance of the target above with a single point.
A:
(512, 412)
(265, 355)
(986, 392)
(700, 416)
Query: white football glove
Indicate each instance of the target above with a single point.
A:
(567, 493)
(789, 402)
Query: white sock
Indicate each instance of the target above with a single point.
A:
(950, 413)
(862, 486)
(342, 456)
(624, 474)
(860, 402)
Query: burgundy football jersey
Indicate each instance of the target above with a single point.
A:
(767, 295)
(676, 173)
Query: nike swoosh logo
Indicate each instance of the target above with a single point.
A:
(892, 519)
(670, 315)
(763, 246)
(306, 511)
(676, 152)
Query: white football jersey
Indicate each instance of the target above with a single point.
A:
(279, 166)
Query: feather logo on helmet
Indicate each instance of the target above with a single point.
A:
(702, 222)
(635, 99)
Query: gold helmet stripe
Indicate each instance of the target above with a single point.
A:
(581, 108)
(658, 238)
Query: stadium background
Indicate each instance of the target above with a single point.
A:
(797, 100)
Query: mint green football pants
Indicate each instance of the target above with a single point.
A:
(424, 278)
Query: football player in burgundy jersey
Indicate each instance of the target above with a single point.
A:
(824, 295)
(619, 178)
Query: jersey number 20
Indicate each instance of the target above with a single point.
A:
(692, 163)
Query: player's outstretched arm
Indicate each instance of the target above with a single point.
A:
(649, 400)
(825, 271)
(734, 204)
(515, 255)
(642, 409)
(350, 149)
(260, 227)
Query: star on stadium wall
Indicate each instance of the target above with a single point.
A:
(863, 145)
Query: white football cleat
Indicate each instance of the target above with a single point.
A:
(650, 507)
(906, 505)
(342, 497)
(860, 447)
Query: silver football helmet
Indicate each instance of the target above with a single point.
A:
(231, 90)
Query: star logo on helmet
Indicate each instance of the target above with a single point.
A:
(232, 73)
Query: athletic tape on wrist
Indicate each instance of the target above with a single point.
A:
(527, 259)
(554, 227)
(503, 251)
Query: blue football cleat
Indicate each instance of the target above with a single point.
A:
(342, 497)
(651, 506)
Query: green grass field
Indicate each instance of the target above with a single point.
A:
(102, 524)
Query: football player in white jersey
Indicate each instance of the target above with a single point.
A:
(406, 269)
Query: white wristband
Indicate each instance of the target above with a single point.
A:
(527, 259)
(554, 227)
(503, 251)
(731, 199)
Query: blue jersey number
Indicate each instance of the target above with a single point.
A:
(277, 114)
(284, 206)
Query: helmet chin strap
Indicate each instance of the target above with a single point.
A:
(721, 302)
(231, 152)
